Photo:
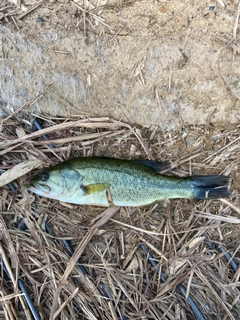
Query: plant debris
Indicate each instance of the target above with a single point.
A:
(108, 255)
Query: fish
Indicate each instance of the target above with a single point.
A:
(115, 182)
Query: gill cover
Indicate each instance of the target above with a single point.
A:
(71, 178)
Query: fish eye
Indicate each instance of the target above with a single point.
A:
(45, 176)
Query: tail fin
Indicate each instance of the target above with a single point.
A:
(211, 187)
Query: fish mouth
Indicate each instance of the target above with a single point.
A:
(38, 188)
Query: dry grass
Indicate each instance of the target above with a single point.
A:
(108, 247)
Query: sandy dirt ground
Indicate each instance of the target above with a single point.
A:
(153, 63)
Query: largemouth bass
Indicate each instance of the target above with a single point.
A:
(107, 181)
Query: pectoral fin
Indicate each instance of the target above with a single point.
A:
(94, 188)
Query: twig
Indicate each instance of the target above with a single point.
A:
(223, 148)
(30, 10)
(230, 205)
(77, 138)
(236, 22)
(14, 21)
(227, 219)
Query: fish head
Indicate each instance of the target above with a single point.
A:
(56, 183)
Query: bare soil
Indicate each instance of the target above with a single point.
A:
(153, 63)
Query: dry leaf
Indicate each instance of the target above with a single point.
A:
(133, 265)
(26, 201)
(20, 170)
(176, 265)
(195, 241)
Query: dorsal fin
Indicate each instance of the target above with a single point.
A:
(155, 165)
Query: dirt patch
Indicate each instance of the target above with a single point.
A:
(151, 63)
